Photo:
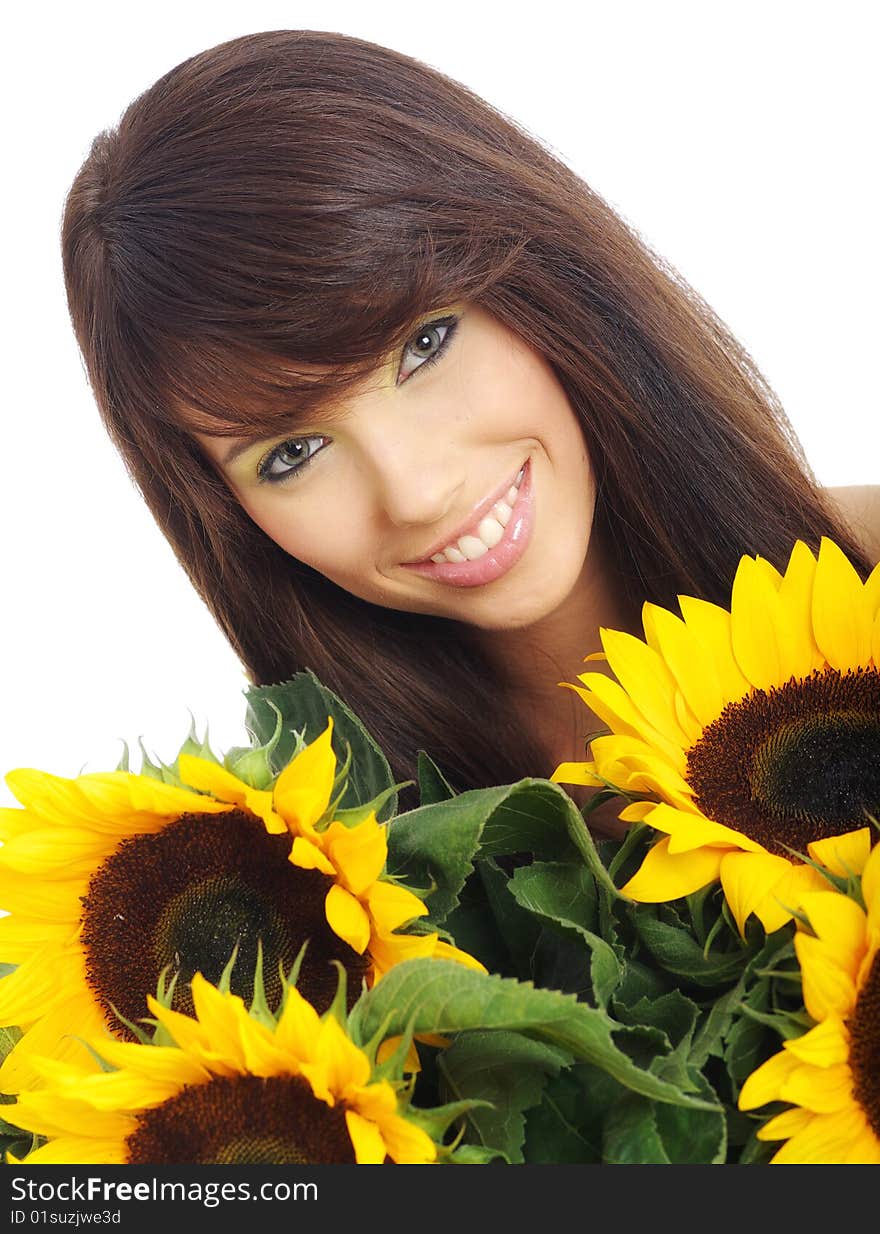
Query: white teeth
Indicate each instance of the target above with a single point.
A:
(502, 511)
(472, 547)
(490, 531)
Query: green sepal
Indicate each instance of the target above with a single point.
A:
(354, 815)
(253, 764)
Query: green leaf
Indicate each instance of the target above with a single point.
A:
(305, 704)
(640, 1132)
(505, 1069)
(565, 895)
(435, 845)
(441, 996)
(566, 1128)
(677, 951)
(518, 930)
(433, 785)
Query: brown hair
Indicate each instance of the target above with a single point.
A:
(305, 198)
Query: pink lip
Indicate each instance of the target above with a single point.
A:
(499, 559)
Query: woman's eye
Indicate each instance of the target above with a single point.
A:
(289, 457)
(427, 345)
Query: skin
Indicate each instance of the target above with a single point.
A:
(410, 456)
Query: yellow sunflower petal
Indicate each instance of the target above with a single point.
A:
(786, 896)
(608, 700)
(756, 616)
(665, 877)
(53, 853)
(843, 855)
(79, 1150)
(302, 790)
(445, 951)
(347, 918)
(841, 618)
(786, 1124)
(576, 773)
(687, 830)
(796, 596)
(358, 853)
(407, 1144)
(44, 1113)
(647, 681)
(637, 811)
(58, 1033)
(366, 1139)
(820, 1089)
(840, 924)
(214, 779)
(748, 879)
(823, 1046)
(42, 899)
(392, 906)
(298, 1026)
(828, 989)
(710, 625)
(344, 1065)
(45, 980)
(766, 1081)
(689, 660)
(825, 1140)
(308, 855)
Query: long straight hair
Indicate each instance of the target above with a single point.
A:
(300, 198)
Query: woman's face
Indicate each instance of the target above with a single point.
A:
(454, 481)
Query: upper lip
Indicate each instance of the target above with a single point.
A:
(477, 514)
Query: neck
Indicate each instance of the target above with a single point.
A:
(535, 658)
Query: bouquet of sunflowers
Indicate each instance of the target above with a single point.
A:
(258, 959)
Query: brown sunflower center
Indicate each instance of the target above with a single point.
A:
(242, 1120)
(187, 895)
(864, 1047)
(793, 764)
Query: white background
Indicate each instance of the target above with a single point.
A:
(738, 138)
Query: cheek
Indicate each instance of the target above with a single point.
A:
(326, 536)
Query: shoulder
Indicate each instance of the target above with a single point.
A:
(860, 506)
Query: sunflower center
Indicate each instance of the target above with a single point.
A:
(199, 929)
(187, 895)
(793, 764)
(864, 1048)
(242, 1120)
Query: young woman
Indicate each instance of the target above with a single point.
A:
(415, 409)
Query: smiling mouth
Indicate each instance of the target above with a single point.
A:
(484, 532)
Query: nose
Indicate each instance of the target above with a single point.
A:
(416, 472)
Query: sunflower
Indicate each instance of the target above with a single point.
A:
(109, 879)
(364, 906)
(233, 1089)
(758, 728)
(831, 1074)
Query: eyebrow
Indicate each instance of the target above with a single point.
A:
(242, 447)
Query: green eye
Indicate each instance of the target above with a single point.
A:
(428, 344)
(288, 458)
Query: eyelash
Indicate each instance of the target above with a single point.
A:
(263, 474)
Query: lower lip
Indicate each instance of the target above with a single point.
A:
(499, 559)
